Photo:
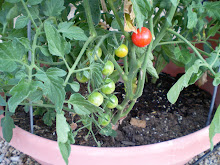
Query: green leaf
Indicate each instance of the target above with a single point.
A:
(45, 51)
(212, 9)
(62, 128)
(34, 2)
(58, 46)
(35, 96)
(7, 124)
(214, 60)
(174, 2)
(96, 74)
(53, 7)
(2, 101)
(21, 22)
(65, 150)
(12, 13)
(95, 11)
(12, 1)
(82, 106)
(216, 81)
(21, 92)
(182, 55)
(75, 86)
(25, 42)
(53, 85)
(72, 32)
(1, 112)
(49, 117)
(140, 11)
(212, 31)
(150, 67)
(10, 52)
(108, 131)
(183, 81)
(192, 18)
(214, 126)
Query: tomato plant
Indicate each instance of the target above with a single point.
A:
(108, 87)
(45, 47)
(108, 68)
(142, 38)
(121, 51)
(96, 98)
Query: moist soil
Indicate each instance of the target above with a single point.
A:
(164, 121)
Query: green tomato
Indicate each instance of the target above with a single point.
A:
(98, 52)
(104, 120)
(113, 102)
(81, 78)
(96, 98)
(108, 68)
(109, 86)
(121, 51)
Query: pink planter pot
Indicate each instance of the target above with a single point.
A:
(173, 152)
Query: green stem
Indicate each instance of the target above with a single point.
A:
(29, 14)
(52, 63)
(193, 48)
(169, 17)
(89, 17)
(80, 70)
(46, 106)
(78, 59)
(111, 4)
(203, 52)
(157, 16)
(131, 105)
(142, 74)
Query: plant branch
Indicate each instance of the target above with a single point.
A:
(118, 19)
(29, 14)
(89, 17)
(169, 17)
(193, 48)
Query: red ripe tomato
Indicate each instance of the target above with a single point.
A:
(143, 38)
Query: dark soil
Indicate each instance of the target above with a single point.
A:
(165, 121)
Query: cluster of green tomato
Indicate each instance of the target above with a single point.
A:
(108, 88)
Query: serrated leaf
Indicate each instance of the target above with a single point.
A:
(7, 124)
(56, 72)
(82, 106)
(140, 10)
(214, 60)
(72, 32)
(12, 13)
(75, 86)
(212, 30)
(182, 55)
(25, 42)
(10, 52)
(21, 22)
(12, 1)
(212, 9)
(21, 92)
(150, 67)
(65, 150)
(58, 46)
(183, 82)
(34, 2)
(192, 18)
(214, 126)
(49, 117)
(108, 131)
(95, 11)
(53, 7)
(216, 81)
(35, 96)
(2, 101)
(45, 51)
(53, 87)
(96, 74)
(62, 128)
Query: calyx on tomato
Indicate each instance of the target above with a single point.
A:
(142, 38)
(112, 102)
(81, 78)
(104, 120)
(98, 53)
